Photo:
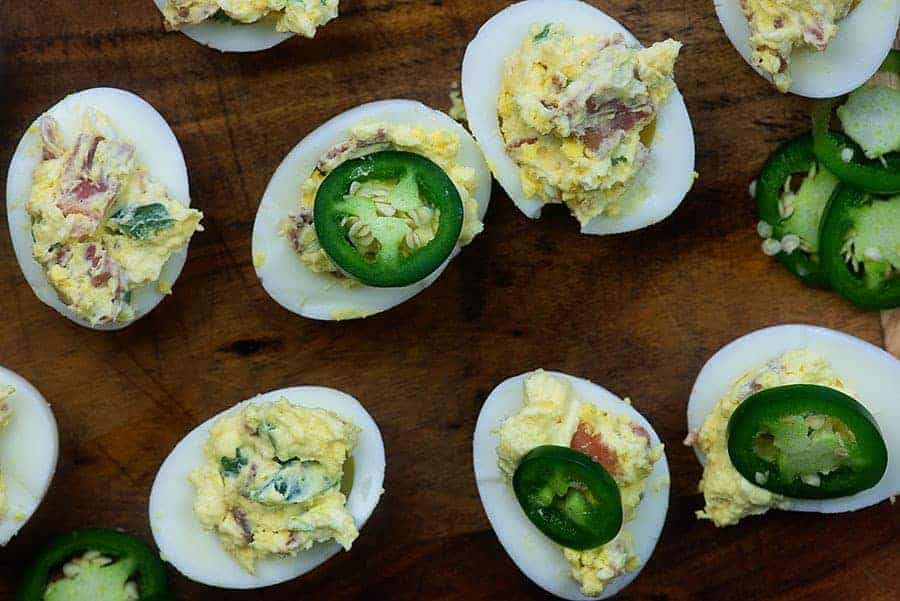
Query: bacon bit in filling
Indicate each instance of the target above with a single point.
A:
(522, 142)
(348, 147)
(82, 191)
(641, 431)
(240, 516)
(615, 120)
(51, 147)
(592, 445)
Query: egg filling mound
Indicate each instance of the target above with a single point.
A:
(271, 483)
(101, 225)
(294, 16)
(5, 415)
(778, 27)
(553, 415)
(440, 146)
(573, 110)
(729, 496)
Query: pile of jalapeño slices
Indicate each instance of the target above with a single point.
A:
(839, 226)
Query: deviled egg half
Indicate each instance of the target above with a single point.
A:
(573, 480)
(29, 446)
(814, 48)
(368, 209)
(246, 26)
(269, 489)
(97, 201)
(799, 418)
(568, 107)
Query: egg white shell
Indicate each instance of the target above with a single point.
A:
(198, 554)
(135, 121)
(29, 447)
(662, 182)
(319, 296)
(535, 554)
(871, 373)
(230, 37)
(852, 57)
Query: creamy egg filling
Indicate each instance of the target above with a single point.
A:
(576, 114)
(102, 226)
(729, 497)
(297, 16)
(778, 27)
(271, 483)
(6, 393)
(441, 146)
(553, 414)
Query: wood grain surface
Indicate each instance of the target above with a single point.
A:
(639, 313)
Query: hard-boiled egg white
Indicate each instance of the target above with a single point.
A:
(198, 554)
(536, 555)
(233, 37)
(156, 148)
(870, 372)
(321, 296)
(29, 446)
(863, 39)
(660, 185)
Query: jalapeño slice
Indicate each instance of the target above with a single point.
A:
(807, 442)
(859, 242)
(569, 497)
(846, 160)
(388, 259)
(800, 217)
(132, 560)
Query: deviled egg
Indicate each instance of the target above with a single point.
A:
(368, 209)
(819, 49)
(542, 440)
(269, 489)
(568, 107)
(97, 201)
(242, 26)
(29, 446)
(795, 417)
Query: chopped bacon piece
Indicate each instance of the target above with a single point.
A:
(641, 431)
(814, 35)
(619, 117)
(240, 516)
(102, 266)
(82, 191)
(62, 256)
(592, 445)
(521, 142)
(350, 146)
(51, 145)
(100, 279)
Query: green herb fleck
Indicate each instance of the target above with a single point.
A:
(540, 37)
(617, 160)
(295, 482)
(231, 467)
(141, 222)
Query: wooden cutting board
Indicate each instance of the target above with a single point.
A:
(639, 313)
